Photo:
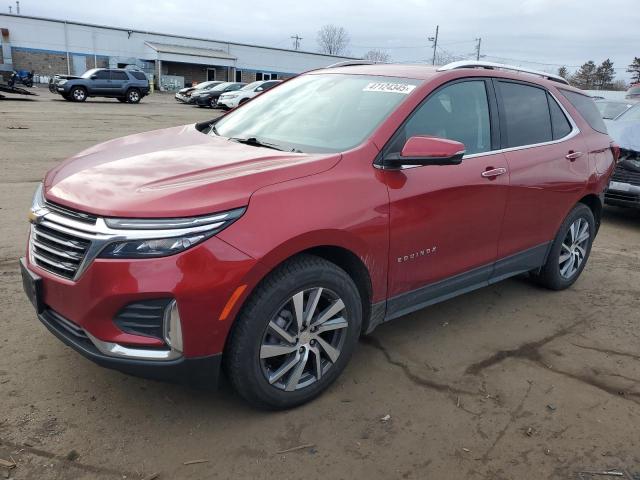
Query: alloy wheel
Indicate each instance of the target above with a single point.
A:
(304, 339)
(134, 96)
(78, 94)
(574, 248)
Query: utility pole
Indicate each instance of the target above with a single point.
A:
(479, 40)
(296, 41)
(435, 44)
(17, 8)
(10, 12)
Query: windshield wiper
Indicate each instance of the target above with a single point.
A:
(256, 143)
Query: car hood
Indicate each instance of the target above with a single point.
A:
(173, 172)
(625, 133)
(186, 90)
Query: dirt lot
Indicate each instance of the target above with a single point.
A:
(507, 382)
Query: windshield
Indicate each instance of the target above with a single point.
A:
(88, 73)
(222, 86)
(252, 85)
(317, 112)
(633, 114)
(205, 85)
(610, 110)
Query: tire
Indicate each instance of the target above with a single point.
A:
(285, 380)
(569, 251)
(133, 95)
(244, 100)
(213, 102)
(78, 94)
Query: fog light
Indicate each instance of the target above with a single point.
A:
(172, 327)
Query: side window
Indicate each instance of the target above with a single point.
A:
(102, 75)
(118, 75)
(457, 112)
(526, 113)
(560, 126)
(587, 108)
(138, 75)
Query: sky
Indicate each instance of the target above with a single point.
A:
(541, 34)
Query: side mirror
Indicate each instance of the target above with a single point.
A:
(424, 150)
(259, 89)
(93, 77)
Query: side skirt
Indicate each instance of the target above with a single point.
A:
(437, 292)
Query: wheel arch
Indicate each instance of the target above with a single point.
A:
(594, 202)
(340, 255)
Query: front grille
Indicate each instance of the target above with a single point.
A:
(143, 318)
(614, 195)
(626, 176)
(72, 214)
(57, 251)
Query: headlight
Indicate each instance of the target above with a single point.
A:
(174, 234)
(233, 95)
(38, 203)
(62, 82)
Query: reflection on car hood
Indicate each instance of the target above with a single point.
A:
(173, 172)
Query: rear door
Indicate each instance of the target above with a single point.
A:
(118, 83)
(445, 220)
(548, 165)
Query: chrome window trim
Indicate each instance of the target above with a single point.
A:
(575, 130)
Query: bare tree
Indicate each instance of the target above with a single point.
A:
(333, 40)
(377, 56)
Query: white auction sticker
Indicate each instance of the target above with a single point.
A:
(403, 88)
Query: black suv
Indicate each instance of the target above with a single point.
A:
(125, 85)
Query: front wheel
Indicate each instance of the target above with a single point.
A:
(295, 334)
(570, 250)
(213, 103)
(78, 94)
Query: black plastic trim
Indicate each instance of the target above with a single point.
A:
(196, 371)
(474, 279)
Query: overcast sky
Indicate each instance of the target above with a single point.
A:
(562, 32)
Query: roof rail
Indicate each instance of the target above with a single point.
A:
(500, 66)
(349, 63)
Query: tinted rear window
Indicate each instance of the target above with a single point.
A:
(139, 75)
(115, 75)
(526, 112)
(587, 108)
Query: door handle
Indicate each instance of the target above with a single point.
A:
(492, 173)
(573, 156)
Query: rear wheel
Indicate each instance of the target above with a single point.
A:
(78, 94)
(295, 334)
(133, 95)
(213, 102)
(570, 250)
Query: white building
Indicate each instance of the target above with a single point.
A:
(50, 46)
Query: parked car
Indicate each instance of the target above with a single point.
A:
(610, 109)
(624, 189)
(126, 85)
(633, 93)
(246, 93)
(184, 95)
(209, 98)
(269, 239)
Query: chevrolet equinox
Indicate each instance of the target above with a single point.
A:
(266, 242)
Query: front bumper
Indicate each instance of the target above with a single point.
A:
(623, 194)
(202, 100)
(200, 371)
(228, 102)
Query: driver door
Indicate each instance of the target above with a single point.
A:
(446, 220)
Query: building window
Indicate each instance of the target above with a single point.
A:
(238, 75)
(258, 76)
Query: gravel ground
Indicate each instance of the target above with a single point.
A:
(507, 382)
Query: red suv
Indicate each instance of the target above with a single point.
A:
(265, 242)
